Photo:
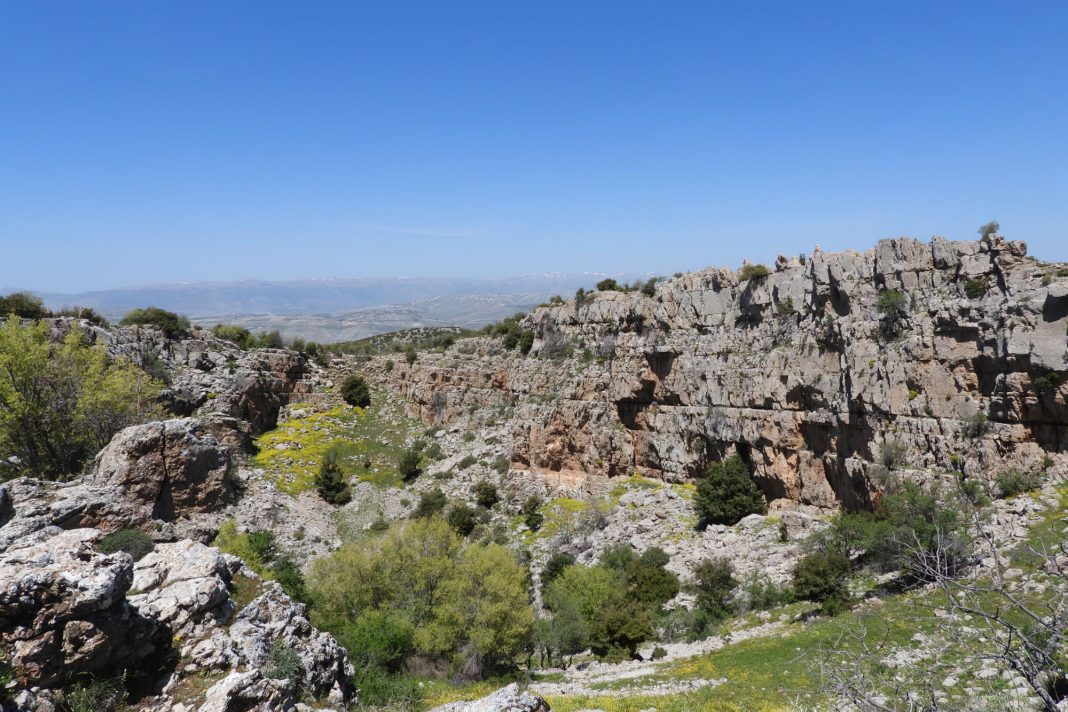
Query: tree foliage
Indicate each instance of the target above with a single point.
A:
(465, 604)
(168, 322)
(355, 391)
(727, 494)
(330, 481)
(62, 402)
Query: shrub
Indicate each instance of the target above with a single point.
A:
(608, 285)
(430, 503)
(462, 519)
(95, 695)
(751, 271)
(1013, 482)
(262, 543)
(727, 494)
(467, 460)
(61, 403)
(355, 391)
(892, 303)
(713, 587)
(135, 543)
(989, 228)
(975, 288)
(977, 426)
(239, 335)
(649, 287)
(893, 454)
(380, 689)
(290, 578)
(410, 355)
(408, 465)
(659, 653)
(555, 566)
(465, 603)
(486, 494)
(533, 518)
(23, 305)
(618, 628)
(330, 481)
(821, 577)
(283, 663)
(763, 595)
(270, 340)
(525, 342)
(379, 639)
(1045, 383)
(168, 322)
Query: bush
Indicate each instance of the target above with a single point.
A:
(975, 288)
(168, 322)
(95, 695)
(821, 577)
(462, 519)
(290, 578)
(892, 303)
(467, 460)
(1013, 482)
(466, 604)
(608, 285)
(238, 335)
(531, 516)
(618, 628)
(408, 465)
(893, 454)
(750, 271)
(283, 663)
(649, 288)
(378, 639)
(23, 305)
(355, 391)
(989, 228)
(330, 481)
(555, 566)
(430, 503)
(61, 403)
(486, 494)
(380, 689)
(659, 653)
(135, 543)
(410, 355)
(713, 587)
(727, 494)
(977, 426)
(525, 342)
(763, 595)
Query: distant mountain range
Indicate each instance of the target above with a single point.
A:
(329, 310)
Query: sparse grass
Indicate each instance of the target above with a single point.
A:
(291, 453)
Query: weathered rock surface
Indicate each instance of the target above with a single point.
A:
(167, 619)
(168, 467)
(800, 372)
(506, 699)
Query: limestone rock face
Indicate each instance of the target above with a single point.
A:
(168, 467)
(801, 372)
(506, 699)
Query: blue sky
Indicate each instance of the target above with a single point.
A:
(144, 142)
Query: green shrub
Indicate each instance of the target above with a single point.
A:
(410, 355)
(330, 481)
(430, 503)
(1013, 482)
(486, 494)
(501, 465)
(649, 287)
(381, 689)
(462, 519)
(23, 305)
(608, 285)
(90, 315)
(355, 391)
(283, 663)
(555, 566)
(262, 544)
(751, 271)
(466, 462)
(893, 454)
(1045, 383)
(60, 404)
(975, 288)
(408, 465)
(239, 335)
(531, 516)
(290, 578)
(714, 584)
(822, 577)
(892, 303)
(525, 342)
(977, 426)
(659, 653)
(135, 543)
(727, 493)
(376, 638)
(764, 595)
(618, 627)
(168, 322)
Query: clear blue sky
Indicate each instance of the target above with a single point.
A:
(179, 141)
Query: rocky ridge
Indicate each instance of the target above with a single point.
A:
(800, 371)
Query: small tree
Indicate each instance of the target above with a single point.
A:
(749, 272)
(430, 503)
(892, 303)
(23, 305)
(989, 228)
(608, 285)
(330, 480)
(486, 494)
(408, 465)
(555, 566)
(821, 577)
(355, 391)
(727, 493)
(714, 585)
(462, 519)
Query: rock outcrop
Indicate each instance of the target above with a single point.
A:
(949, 354)
(506, 699)
(167, 467)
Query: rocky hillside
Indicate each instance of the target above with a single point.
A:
(181, 624)
(949, 355)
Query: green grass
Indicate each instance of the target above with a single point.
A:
(291, 453)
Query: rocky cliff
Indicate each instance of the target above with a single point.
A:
(951, 355)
